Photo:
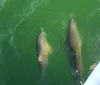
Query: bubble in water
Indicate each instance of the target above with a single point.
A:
(2, 2)
(76, 71)
(64, 25)
(66, 74)
(81, 83)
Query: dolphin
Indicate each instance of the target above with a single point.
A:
(43, 50)
(74, 45)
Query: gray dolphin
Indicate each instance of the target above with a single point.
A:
(43, 50)
(74, 44)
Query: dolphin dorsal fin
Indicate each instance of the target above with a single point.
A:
(41, 29)
(71, 15)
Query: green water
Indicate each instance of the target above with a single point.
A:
(20, 22)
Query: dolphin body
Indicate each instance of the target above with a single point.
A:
(43, 50)
(74, 44)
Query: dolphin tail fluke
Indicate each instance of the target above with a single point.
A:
(43, 66)
(42, 79)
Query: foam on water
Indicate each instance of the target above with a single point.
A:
(97, 46)
(2, 38)
(2, 3)
(23, 14)
(27, 11)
